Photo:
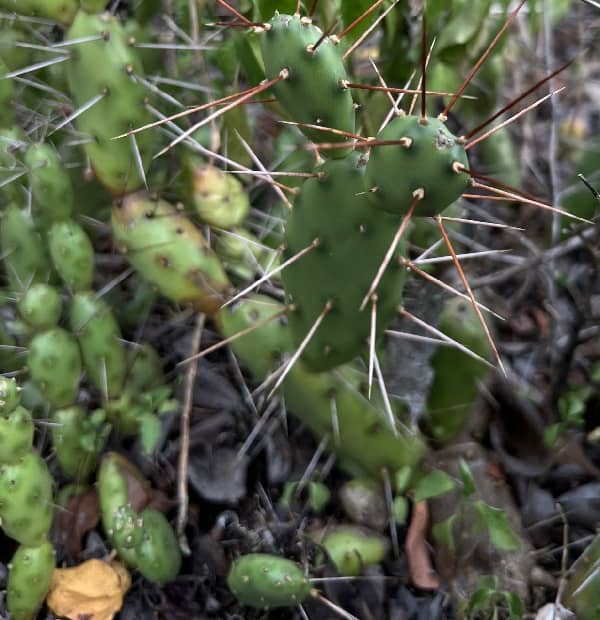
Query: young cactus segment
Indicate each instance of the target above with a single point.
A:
(423, 155)
(335, 209)
(329, 403)
(54, 363)
(158, 556)
(218, 198)
(72, 254)
(144, 540)
(456, 374)
(77, 439)
(16, 435)
(24, 252)
(29, 578)
(9, 396)
(99, 337)
(41, 306)
(313, 93)
(51, 190)
(26, 500)
(265, 581)
(103, 72)
(62, 11)
(169, 252)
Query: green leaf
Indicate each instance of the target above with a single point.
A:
(400, 509)
(150, 428)
(496, 522)
(433, 484)
(483, 598)
(467, 478)
(515, 605)
(443, 532)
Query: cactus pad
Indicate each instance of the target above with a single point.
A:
(72, 254)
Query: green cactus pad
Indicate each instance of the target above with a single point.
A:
(9, 396)
(12, 168)
(16, 435)
(158, 555)
(366, 443)
(218, 198)
(262, 580)
(353, 240)
(72, 254)
(25, 258)
(26, 500)
(456, 375)
(127, 529)
(394, 172)
(170, 252)
(106, 67)
(77, 439)
(41, 306)
(62, 11)
(99, 337)
(31, 570)
(51, 191)
(313, 92)
(351, 548)
(54, 363)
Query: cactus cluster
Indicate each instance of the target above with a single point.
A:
(338, 261)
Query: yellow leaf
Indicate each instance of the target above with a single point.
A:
(93, 590)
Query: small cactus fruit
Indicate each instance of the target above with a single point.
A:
(158, 555)
(427, 157)
(313, 92)
(262, 580)
(351, 548)
(26, 499)
(334, 212)
(16, 435)
(51, 190)
(456, 375)
(54, 363)
(77, 439)
(31, 570)
(327, 402)
(9, 396)
(104, 71)
(218, 198)
(72, 254)
(41, 306)
(24, 252)
(169, 252)
(99, 336)
(61, 11)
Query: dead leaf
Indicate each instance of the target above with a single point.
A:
(93, 590)
(422, 572)
(81, 515)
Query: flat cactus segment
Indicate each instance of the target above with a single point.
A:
(313, 92)
(41, 306)
(25, 257)
(62, 11)
(105, 68)
(16, 435)
(262, 580)
(365, 443)
(353, 240)
(168, 251)
(26, 500)
(425, 162)
(456, 375)
(54, 363)
(51, 191)
(31, 570)
(77, 438)
(9, 396)
(99, 337)
(158, 555)
(72, 254)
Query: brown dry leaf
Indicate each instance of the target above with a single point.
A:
(81, 515)
(422, 572)
(93, 590)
